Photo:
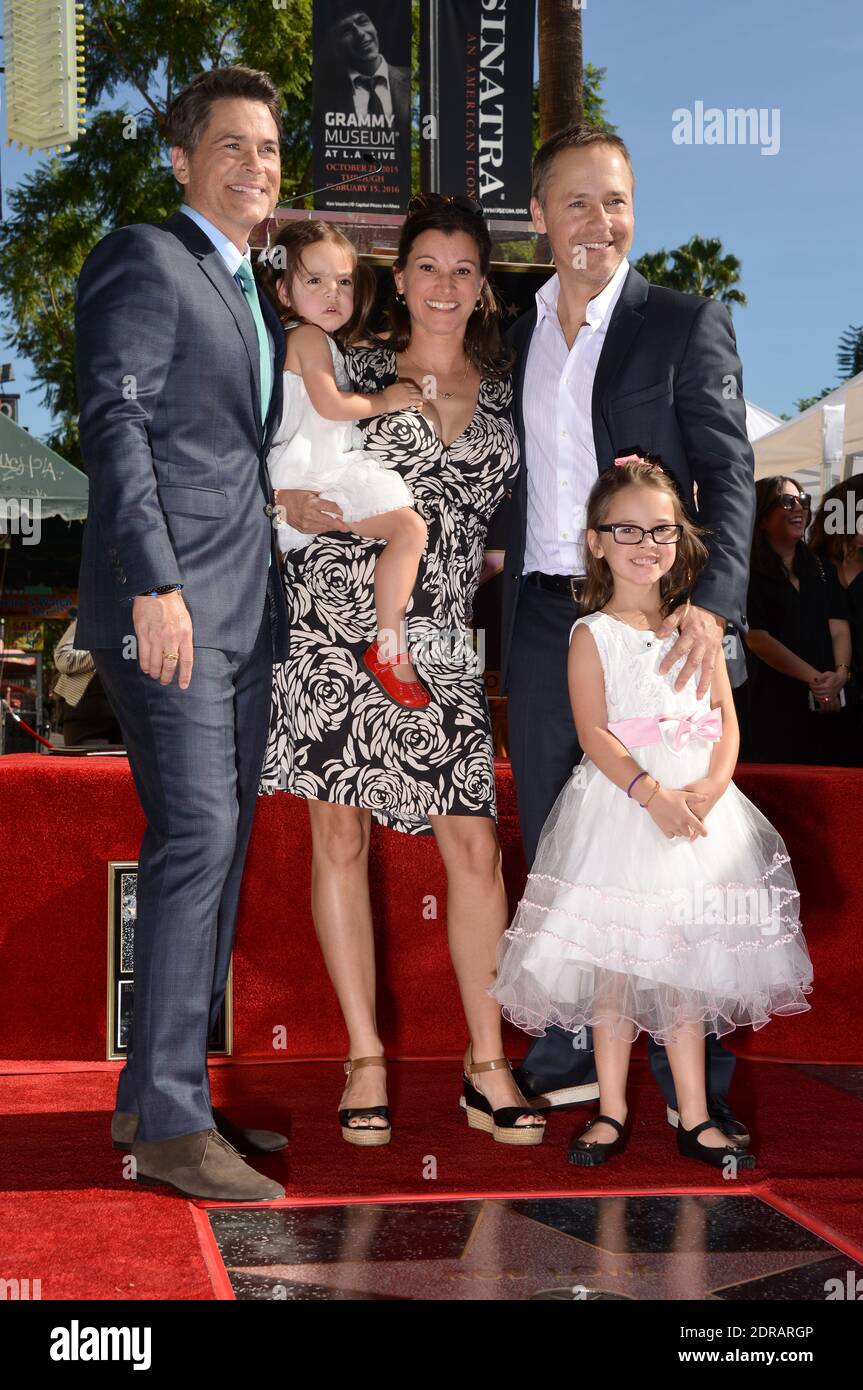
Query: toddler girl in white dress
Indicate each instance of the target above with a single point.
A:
(660, 899)
(309, 273)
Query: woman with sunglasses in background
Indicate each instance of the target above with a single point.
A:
(837, 535)
(799, 636)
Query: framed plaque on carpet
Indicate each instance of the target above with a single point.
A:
(122, 910)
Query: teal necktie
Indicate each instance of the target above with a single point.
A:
(250, 290)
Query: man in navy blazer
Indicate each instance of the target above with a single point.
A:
(179, 369)
(655, 370)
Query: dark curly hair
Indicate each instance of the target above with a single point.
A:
(482, 340)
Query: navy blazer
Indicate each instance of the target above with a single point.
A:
(669, 380)
(168, 374)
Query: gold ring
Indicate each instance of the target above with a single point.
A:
(170, 656)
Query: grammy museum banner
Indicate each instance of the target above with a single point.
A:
(361, 105)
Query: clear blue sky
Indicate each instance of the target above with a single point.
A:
(794, 219)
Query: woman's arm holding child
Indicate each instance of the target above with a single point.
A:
(308, 355)
(670, 809)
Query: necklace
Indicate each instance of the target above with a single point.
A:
(609, 609)
(444, 395)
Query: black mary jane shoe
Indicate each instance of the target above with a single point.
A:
(689, 1147)
(588, 1155)
(724, 1119)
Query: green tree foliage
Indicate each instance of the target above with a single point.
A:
(805, 401)
(850, 353)
(849, 358)
(119, 171)
(698, 267)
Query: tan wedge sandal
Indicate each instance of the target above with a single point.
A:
(502, 1124)
(365, 1135)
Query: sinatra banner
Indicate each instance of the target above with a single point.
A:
(477, 86)
(361, 104)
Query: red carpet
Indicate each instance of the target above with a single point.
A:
(64, 819)
(69, 1218)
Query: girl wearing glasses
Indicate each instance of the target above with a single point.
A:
(661, 900)
(799, 636)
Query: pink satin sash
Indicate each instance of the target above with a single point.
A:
(674, 730)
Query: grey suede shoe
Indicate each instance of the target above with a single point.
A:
(124, 1128)
(203, 1165)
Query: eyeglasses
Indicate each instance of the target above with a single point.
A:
(422, 202)
(626, 534)
(790, 500)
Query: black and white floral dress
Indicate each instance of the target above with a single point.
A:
(334, 735)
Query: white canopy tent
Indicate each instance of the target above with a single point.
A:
(821, 446)
(759, 422)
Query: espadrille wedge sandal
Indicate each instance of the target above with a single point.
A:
(365, 1135)
(501, 1124)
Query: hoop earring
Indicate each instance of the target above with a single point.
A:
(400, 299)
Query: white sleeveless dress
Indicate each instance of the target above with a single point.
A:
(328, 456)
(618, 924)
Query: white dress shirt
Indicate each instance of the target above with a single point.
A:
(223, 244)
(362, 95)
(227, 250)
(560, 455)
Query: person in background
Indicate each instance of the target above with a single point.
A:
(835, 536)
(83, 714)
(799, 634)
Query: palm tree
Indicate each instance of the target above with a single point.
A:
(561, 66)
(850, 353)
(698, 267)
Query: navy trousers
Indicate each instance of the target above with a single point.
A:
(544, 748)
(196, 757)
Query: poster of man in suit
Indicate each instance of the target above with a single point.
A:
(362, 104)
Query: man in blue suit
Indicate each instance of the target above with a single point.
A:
(605, 364)
(179, 369)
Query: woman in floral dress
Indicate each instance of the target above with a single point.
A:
(336, 738)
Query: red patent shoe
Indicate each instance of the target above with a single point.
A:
(409, 694)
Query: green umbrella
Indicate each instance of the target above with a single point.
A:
(30, 470)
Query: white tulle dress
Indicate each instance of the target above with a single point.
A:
(327, 456)
(623, 926)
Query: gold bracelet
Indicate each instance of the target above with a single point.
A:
(644, 804)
